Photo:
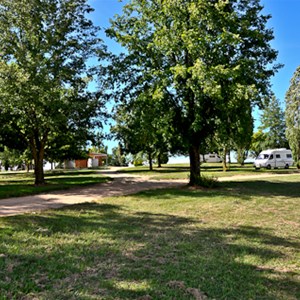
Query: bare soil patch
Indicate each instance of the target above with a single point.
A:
(123, 184)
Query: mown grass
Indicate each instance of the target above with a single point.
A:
(15, 184)
(181, 171)
(239, 241)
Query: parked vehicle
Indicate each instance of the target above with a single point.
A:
(274, 158)
(210, 158)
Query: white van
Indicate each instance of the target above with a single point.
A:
(274, 158)
(210, 158)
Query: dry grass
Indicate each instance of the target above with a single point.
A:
(239, 241)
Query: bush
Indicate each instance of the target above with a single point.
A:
(138, 162)
(207, 181)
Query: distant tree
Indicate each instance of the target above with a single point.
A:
(235, 130)
(258, 142)
(97, 144)
(292, 114)
(198, 52)
(162, 158)
(4, 158)
(45, 46)
(117, 158)
(12, 158)
(242, 135)
(139, 158)
(142, 128)
(273, 124)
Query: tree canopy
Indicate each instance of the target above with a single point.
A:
(209, 57)
(273, 124)
(140, 127)
(45, 46)
(292, 114)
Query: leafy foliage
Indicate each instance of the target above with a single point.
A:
(273, 124)
(140, 127)
(204, 59)
(44, 77)
(117, 158)
(292, 114)
(258, 142)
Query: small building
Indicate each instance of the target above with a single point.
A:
(95, 160)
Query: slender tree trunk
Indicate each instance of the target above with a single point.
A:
(296, 155)
(150, 161)
(229, 159)
(224, 163)
(194, 154)
(159, 160)
(203, 158)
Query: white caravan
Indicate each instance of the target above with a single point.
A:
(210, 158)
(274, 158)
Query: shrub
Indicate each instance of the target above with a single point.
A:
(138, 162)
(207, 181)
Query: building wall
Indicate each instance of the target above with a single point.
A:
(81, 163)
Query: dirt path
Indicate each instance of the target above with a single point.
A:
(123, 184)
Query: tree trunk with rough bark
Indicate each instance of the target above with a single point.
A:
(38, 150)
(194, 154)
(39, 171)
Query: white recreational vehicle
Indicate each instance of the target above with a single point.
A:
(210, 158)
(274, 158)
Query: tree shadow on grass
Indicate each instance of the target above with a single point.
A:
(244, 190)
(264, 187)
(103, 251)
(19, 188)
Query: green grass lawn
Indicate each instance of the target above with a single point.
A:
(14, 184)
(238, 241)
(181, 171)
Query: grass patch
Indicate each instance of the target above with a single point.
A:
(239, 241)
(17, 184)
(181, 171)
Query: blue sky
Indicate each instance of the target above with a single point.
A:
(285, 22)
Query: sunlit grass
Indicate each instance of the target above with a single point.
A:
(181, 171)
(239, 241)
(14, 184)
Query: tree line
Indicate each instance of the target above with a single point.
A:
(191, 73)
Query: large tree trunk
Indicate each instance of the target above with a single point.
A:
(39, 170)
(194, 154)
(38, 150)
